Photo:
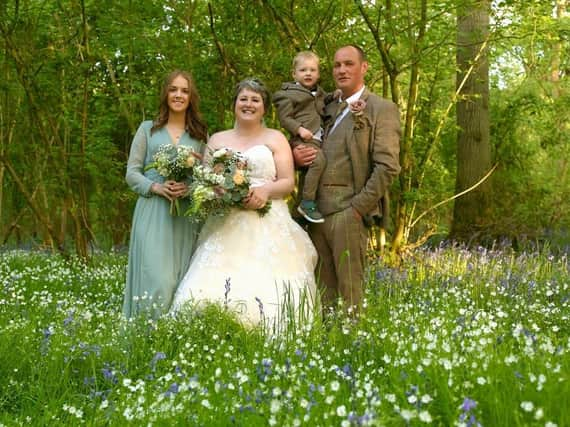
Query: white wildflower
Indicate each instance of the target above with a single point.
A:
(407, 414)
(425, 417)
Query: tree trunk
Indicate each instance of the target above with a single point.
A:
(473, 142)
(559, 12)
(404, 209)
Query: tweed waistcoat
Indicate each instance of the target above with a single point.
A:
(336, 187)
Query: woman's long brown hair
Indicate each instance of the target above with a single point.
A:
(195, 125)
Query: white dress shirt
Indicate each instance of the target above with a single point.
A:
(354, 97)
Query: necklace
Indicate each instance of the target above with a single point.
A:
(175, 132)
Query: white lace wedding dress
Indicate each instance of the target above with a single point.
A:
(262, 267)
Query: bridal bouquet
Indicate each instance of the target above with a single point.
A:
(174, 162)
(220, 184)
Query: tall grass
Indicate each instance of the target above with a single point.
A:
(454, 337)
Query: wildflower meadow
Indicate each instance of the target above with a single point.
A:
(451, 338)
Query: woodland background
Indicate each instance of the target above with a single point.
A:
(482, 86)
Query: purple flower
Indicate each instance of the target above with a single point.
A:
(265, 369)
(173, 389)
(158, 356)
(228, 286)
(468, 405)
(69, 318)
(109, 374)
(473, 421)
(260, 304)
(467, 417)
(347, 370)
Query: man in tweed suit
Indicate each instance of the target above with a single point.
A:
(361, 146)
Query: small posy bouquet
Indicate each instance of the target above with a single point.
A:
(220, 184)
(174, 162)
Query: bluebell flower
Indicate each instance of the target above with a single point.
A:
(260, 305)
(47, 332)
(159, 355)
(173, 389)
(468, 405)
(227, 286)
(69, 318)
(109, 375)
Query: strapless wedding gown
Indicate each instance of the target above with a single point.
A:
(261, 267)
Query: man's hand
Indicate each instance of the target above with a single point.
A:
(356, 214)
(304, 155)
(304, 133)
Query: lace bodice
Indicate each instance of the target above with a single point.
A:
(260, 164)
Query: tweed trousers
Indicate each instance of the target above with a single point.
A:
(341, 242)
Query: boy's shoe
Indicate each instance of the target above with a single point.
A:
(308, 208)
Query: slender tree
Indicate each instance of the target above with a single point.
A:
(472, 113)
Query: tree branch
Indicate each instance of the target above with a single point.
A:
(285, 28)
(31, 203)
(227, 63)
(467, 190)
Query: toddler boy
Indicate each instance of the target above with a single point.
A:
(300, 106)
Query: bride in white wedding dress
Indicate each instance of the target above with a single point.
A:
(261, 267)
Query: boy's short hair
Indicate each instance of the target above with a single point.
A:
(306, 54)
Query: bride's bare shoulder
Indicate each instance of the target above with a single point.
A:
(221, 139)
(275, 139)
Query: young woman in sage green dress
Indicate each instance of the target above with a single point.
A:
(161, 244)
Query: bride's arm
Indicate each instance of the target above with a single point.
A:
(214, 142)
(285, 175)
(285, 170)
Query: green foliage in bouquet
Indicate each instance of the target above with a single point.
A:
(176, 163)
(220, 184)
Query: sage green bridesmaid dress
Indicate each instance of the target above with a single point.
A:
(161, 245)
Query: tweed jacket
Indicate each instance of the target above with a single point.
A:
(296, 107)
(373, 142)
